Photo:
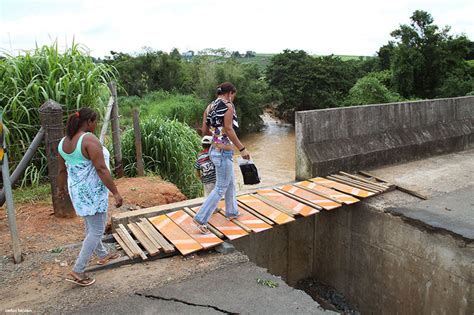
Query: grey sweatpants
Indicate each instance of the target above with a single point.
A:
(95, 227)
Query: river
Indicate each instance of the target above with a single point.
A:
(273, 152)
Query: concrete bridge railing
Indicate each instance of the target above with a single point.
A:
(363, 137)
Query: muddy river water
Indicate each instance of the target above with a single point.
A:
(273, 152)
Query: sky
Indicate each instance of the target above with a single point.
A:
(265, 26)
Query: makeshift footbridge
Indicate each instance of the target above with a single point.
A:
(173, 232)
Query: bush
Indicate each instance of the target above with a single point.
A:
(369, 90)
(170, 150)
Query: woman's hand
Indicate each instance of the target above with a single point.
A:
(118, 200)
(245, 154)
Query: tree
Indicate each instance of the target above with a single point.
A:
(250, 54)
(369, 90)
(235, 54)
(424, 56)
(385, 54)
(148, 71)
(306, 82)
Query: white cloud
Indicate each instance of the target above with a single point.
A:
(320, 27)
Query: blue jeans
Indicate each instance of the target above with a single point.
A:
(95, 227)
(225, 186)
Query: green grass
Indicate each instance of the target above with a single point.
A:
(170, 150)
(470, 63)
(184, 108)
(262, 60)
(41, 192)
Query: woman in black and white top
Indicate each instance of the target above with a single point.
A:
(220, 121)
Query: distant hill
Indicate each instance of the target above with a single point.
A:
(262, 60)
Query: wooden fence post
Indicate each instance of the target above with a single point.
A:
(7, 188)
(116, 132)
(138, 143)
(25, 161)
(105, 125)
(51, 116)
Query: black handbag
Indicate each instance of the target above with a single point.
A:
(249, 173)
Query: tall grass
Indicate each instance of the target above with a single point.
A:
(28, 80)
(184, 108)
(170, 150)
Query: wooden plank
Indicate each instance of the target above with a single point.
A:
(180, 239)
(299, 185)
(342, 187)
(352, 183)
(276, 205)
(328, 193)
(411, 192)
(404, 189)
(266, 210)
(383, 186)
(298, 199)
(185, 222)
(128, 242)
(124, 246)
(167, 247)
(381, 180)
(149, 234)
(143, 239)
(211, 228)
(251, 222)
(325, 203)
(288, 202)
(237, 222)
(360, 183)
(231, 230)
(220, 210)
(122, 231)
(255, 213)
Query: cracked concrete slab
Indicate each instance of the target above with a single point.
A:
(447, 180)
(453, 212)
(136, 304)
(231, 290)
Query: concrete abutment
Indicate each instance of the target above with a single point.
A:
(380, 262)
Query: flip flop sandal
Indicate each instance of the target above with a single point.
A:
(109, 258)
(234, 217)
(84, 282)
(202, 227)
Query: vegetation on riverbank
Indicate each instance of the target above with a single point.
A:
(70, 78)
(172, 89)
(169, 149)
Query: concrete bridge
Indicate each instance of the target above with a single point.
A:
(391, 253)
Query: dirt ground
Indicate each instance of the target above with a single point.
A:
(37, 285)
(50, 246)
(40, 230)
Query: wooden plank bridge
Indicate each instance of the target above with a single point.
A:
(175, 232)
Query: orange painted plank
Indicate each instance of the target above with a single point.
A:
(266, 210)
(248, 219)
(342, 187)
(185, 222)
(183, 242)
(317, 199)
(231, 230)
(298, 207)
(339, 196)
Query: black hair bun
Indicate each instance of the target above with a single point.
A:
(219, 90)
